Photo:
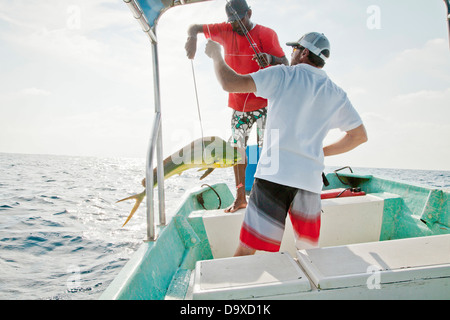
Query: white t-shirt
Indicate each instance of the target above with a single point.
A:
(304, 104)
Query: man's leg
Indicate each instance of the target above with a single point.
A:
(244, 251)
(239, 175)
(305, 215)
(241, 125)
(265, 217)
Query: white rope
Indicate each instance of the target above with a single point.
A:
(198, 108)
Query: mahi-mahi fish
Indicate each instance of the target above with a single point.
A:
(206, 153)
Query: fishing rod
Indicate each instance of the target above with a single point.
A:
(244, 28)
(261, 63)
(447, 3)
(260, 60)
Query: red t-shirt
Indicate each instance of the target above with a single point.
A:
(239, 54)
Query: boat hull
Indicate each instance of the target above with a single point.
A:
(165, 269)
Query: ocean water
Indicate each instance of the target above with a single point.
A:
(61, 234)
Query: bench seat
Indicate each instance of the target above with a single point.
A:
(391, 261)
(259, 276)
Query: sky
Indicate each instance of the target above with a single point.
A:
(76, 76)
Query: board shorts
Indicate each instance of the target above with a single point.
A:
(241, 126)
(265, 217)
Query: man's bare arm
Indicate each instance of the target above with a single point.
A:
(191, 43)
(228, 78)
(349, 141)
(269, 59)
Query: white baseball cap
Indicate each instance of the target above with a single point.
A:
(315, 42)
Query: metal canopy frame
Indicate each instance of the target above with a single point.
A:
(447, 4)
(148, 12)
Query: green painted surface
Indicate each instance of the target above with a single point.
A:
(179, 285)
(149, 272)
(154, 267)
(164, 267)
(409, 210)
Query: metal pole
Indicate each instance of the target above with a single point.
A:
(160, 176)
(155, 144)
(156, 132)
(159, 146)
(156, 127)
(447, 4)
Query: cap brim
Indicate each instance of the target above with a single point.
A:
(292, 44)
(233, 18)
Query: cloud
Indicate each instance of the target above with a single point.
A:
(423, 96)
(404, 104)
(34, 92)
(70, 32)
(81, 71)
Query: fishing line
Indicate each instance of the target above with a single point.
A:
(198, 109)
(198, 102)
(258, 57)
(251, 41)
(246, 32)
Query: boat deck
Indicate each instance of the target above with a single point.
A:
(392, 243)
(406, 268)
(350, 261)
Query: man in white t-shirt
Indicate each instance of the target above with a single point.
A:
(304, 104)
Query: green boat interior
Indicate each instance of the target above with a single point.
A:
(399, 229)
(392, 235)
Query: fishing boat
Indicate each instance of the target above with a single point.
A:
(379, 239)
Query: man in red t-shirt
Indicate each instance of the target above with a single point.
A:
(235, 37)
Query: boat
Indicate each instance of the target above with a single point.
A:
(379, 239)
(395, 237)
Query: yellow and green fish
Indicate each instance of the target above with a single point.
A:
(207, 154)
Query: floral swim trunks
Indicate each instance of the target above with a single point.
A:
(241, 126)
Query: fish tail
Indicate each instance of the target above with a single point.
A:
(128, 198)
(138, 197)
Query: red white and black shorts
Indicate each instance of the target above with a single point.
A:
(265, 217)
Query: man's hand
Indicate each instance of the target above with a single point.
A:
(191, 47)
(263, 59)
(213, 50)
(191, 43)
(349, 141)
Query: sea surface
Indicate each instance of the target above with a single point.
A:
(61, 234)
